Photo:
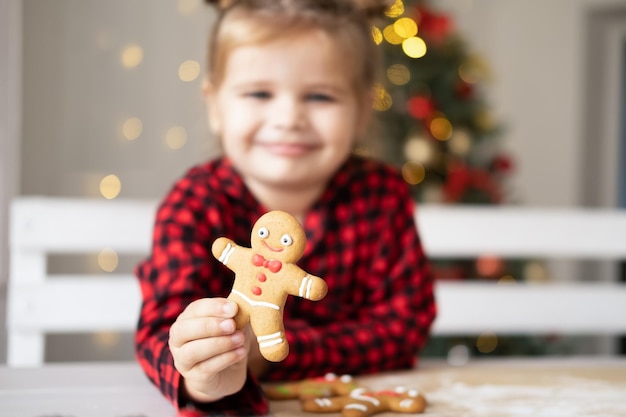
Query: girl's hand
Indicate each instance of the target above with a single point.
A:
(208, 352)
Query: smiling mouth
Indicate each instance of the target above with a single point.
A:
(271, 248)
(288, 149)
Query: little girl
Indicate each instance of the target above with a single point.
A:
(289, 92)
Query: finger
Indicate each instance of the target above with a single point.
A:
(210, 307)
(192, 353)
(186, 330)
(221, 362)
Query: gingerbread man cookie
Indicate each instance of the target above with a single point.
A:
(329, 385)
(361, 403)
(265, 275)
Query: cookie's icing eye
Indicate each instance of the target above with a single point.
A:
(286, 240)
(263, 232)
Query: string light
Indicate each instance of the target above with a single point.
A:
(413, 173)
(405, 27)
(390, 35)
(377, 35)
(110, 186)
(108, 260)
(460, 143)
(487, 342)
(418, 149)
(398, 74)
(535, 272)
(186, 7)
(176, 137)
(189, 70)
(107, 339)
(132, 128)
(507, 279)
(441, 128)
(458, 355)
(396, 9)
(414, 47)
(382, 98)
(132, 56)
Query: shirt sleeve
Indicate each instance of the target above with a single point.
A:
(177, 273)
(393, 323)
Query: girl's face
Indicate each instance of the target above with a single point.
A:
(287, 111)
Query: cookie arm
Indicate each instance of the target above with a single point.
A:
(307, 286)
(227, 252)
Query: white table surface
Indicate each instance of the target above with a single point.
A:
(550, 387)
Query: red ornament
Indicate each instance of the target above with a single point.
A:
(503, 164)
(420, 107)
(464, 90)
(432, 26)
(457, 182)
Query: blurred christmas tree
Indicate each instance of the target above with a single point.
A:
(437, 125)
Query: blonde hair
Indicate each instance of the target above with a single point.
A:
(348, 22)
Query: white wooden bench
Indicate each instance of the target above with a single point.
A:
(40, 302)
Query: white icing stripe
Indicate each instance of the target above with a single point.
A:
(303, 285)
(406, 403)
(226, 253)
(308, 288)
(356, 407)
(357, 395)
(270, 340)
(323, 402)
(271, 343)
(269, 336)
(255, 303)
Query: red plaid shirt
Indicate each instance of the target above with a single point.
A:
(361, 238)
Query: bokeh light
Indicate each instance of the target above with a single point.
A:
(458, 355)
(489, 266)
(110, 186)
(405, 27)
(441, 128)
(132, 56)
(390, 35)
(419, 150)
(396, 9)
(108, 260)
(487, 342)
(535, 272)
(377, 35)
(132, 128)
(413, 173)
(176, 137)
(398, 74)
(460, 143)
(187, 7)
(189, 70)
(382, 98)
(414, 47)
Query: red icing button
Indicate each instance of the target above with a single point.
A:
(261, 277)
(256, 290)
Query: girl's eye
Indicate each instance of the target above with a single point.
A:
(262, 95)
(263, 232)
(320, 97)
(286, 240)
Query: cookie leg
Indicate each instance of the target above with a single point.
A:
(243, 314)
(270, 332)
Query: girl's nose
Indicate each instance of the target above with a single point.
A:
(288, 113)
